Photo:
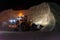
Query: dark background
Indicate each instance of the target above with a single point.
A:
(21, 4)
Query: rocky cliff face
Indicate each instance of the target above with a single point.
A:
(46, 14)
(42, 14)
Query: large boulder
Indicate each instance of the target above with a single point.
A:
(42, 15)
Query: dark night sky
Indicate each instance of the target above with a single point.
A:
(21, 4)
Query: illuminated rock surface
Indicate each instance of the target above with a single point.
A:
(41, 14)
